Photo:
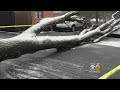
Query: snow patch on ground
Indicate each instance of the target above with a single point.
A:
(115, 42)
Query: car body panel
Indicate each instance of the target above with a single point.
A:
(69, 24)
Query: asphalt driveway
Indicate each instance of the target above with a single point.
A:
(70, 64)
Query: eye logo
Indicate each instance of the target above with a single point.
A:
(95, 67)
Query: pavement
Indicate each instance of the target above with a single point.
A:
(115, 76)
(71, 64)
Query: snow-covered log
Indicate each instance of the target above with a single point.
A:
(29, 42)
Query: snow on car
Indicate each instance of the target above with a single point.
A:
(73, 25)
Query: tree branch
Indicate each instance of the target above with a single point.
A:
(106, 34)
(46, 23)
(114, 14)
(28, 43)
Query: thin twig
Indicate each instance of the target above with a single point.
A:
(114, 14)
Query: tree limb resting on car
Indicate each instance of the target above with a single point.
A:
(29, 42)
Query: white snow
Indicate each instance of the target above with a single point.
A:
(115, 42)
(93, 20)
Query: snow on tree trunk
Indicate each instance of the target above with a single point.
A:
(29, 42)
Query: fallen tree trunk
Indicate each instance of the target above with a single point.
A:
(29, 42)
